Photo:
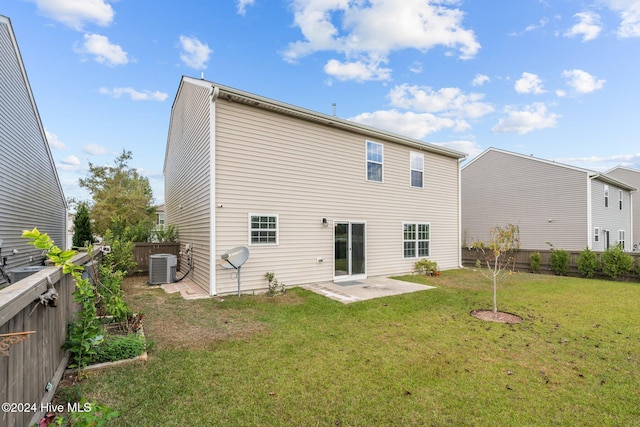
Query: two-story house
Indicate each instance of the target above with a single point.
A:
(30, 192)
(569, 207)
(314, 197)
(632, 177)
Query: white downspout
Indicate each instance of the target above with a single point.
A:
(589, 214)
(215, 91)
(460, 213)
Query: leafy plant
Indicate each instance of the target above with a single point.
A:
(615, 262)
(426, 267)
(121, 256)
(499, 254)
(166, 234)
(85, 333)
(534, 260)
(110, 296)
(560, 261)
(119, 347)
(98, 415)
(272, 287)
(588, 263)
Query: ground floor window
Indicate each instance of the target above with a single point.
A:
(263, 229)
(416, 238)
(621, 239)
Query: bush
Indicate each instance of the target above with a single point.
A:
(119, 347)
(82, 232)
(425, 266)
(560, 262)
(588, 263)
(121, 256)
(534, 260)
(616, 263)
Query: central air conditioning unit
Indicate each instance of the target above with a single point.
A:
(162, 269)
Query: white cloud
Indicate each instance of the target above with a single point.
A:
(242, 6)
(416, 67)
(103, 50)
(69, 163)
(76, 13)
(532, 117)
(629, 11)
(195, 54)
(366, 32)
(408, 123)
(582, 82)
(588, 27)
(471, 148)
(480, 79)
(616, 159)
(529, 83)
(133, 94)
(358, 71)
(95, 150)
(448, 101)
(54, 142)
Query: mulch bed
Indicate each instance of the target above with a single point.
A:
(500, 316)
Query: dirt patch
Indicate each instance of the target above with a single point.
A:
(500, 316)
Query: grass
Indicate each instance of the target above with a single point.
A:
(408, 360)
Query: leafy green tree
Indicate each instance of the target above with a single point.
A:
(560, 261)
(588, 263)
(499, 254)
(615, 262)
(122, 197)
(82, 232)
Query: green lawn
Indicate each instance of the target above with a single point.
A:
(415, 359)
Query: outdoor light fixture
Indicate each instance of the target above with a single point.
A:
(324, 222)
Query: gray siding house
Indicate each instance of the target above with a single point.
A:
(314, 197)
(631, 177)
(30, 194)
(569, 207)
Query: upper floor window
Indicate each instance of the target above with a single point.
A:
(596, 234)
(606, 196)
(416, 237)
(620, 199)
(417, 169)
(375, 157)
(263, 229)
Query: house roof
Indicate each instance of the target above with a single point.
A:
(591, 174)
(6, 21)
(236, 95)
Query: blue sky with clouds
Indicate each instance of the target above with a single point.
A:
(557, 79)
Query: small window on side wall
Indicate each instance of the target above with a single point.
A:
(375, 160)
(263, 229)
(620, 199)
(417, 169)
(606, 196)
(596, 234)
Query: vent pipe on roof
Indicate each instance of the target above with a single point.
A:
(334, 109)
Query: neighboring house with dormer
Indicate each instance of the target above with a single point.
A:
(569, 207)
(632, 177)
(314, 197)
(30, 194)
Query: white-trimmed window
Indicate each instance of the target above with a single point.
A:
(620, 199)
(375, 158)
(606, 196)
(263, 229)
(415, 239)
(417, 169)
(621, 239)
(596, 234)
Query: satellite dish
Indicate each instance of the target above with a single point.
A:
(235, 257)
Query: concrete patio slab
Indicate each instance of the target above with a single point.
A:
(365, 289)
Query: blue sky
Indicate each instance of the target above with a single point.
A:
(556, 79)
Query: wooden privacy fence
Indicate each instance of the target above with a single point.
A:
(142, 251)
(31, 366)
(523, 261)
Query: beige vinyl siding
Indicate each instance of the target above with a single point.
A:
(187, 180)
(30, 192)
(631, 177)
(269, 163)
(547, 201)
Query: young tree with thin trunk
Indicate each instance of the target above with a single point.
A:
(499, 254)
